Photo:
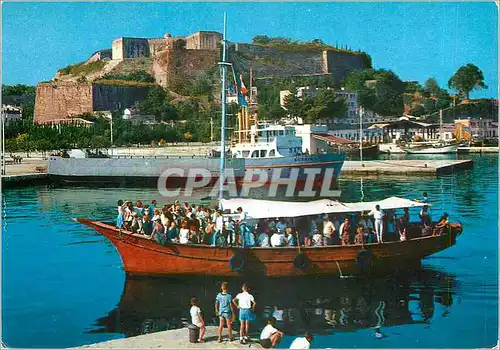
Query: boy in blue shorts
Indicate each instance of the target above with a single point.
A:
(246, 304)
(225, 310)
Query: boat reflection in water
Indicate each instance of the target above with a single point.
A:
(321, 305)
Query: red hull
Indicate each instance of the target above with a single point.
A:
(143, 256)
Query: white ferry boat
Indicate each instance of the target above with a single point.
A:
(278, 150)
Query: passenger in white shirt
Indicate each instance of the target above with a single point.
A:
(270, 336)
(378, 215)
(278, 239)
(302, 342)
(328, 229)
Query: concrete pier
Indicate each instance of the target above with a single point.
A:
(477, 150)
(414, 167)
(176, 339)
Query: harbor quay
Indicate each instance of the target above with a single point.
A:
(175, 339)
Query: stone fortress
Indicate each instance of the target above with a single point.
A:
(172, 61)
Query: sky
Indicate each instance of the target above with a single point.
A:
(414, 40)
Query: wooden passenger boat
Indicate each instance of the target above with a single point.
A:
(142, 256)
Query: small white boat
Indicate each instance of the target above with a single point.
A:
(435, 148)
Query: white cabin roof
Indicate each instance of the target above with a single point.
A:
(258, 209)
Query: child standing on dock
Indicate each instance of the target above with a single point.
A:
(246, 304)
(197, 318)
(225, 310)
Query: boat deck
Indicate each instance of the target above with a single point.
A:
(416, 167)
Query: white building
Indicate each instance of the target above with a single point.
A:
(11, 113)
(132, 115)
(351, 116)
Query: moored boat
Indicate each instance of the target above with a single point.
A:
(142, 256)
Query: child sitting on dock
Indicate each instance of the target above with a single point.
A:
(197, 318)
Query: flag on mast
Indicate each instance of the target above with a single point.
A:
(242, 101)
(243, 88)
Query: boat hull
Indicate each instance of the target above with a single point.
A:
(297, 169)
(141, 256)
(433, 150)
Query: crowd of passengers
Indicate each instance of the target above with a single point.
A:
(185, 223)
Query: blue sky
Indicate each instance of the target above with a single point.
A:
(415, 40)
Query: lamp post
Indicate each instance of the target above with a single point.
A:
(3, 143)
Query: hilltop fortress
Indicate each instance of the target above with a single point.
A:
(98, 84)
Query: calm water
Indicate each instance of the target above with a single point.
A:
(63, 285)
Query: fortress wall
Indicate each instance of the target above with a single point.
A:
(159, 45)
(341, 63)
(114, 97)
(267, 61)
(60, 100)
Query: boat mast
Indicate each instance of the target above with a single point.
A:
(441, 125)
(223, 66)
(361, 134)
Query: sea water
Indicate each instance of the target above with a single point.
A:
(63, 284)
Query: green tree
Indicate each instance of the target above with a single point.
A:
(378, 90)
(293, 105)
(325, 105)
(431, 87)
(261, 39)
(466, 79)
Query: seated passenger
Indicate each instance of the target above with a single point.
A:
(281, 225)
(402, 228)
(136, 225)
(263, 240)
(156, 214)
(290, 237)
(247, 236)
(147, 225)
(139, 209)
(278, 239)
(172, 231)
(317, 238)
(158, 232)
(441, 225)
(360, 235)
(184, 233)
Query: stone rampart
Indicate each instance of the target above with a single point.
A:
(114, 97)
(274, 62)
(61, 100)
(67, 99)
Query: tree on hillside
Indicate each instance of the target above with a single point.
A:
(261, 39)
(466, 79)
(378, 90)
(431, 87)
(294, 105)
(325, 105)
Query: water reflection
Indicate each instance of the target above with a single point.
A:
(320, 305)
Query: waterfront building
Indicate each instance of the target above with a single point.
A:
(11, 113)
(476, 128)
(351, 115)
(132, 115)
